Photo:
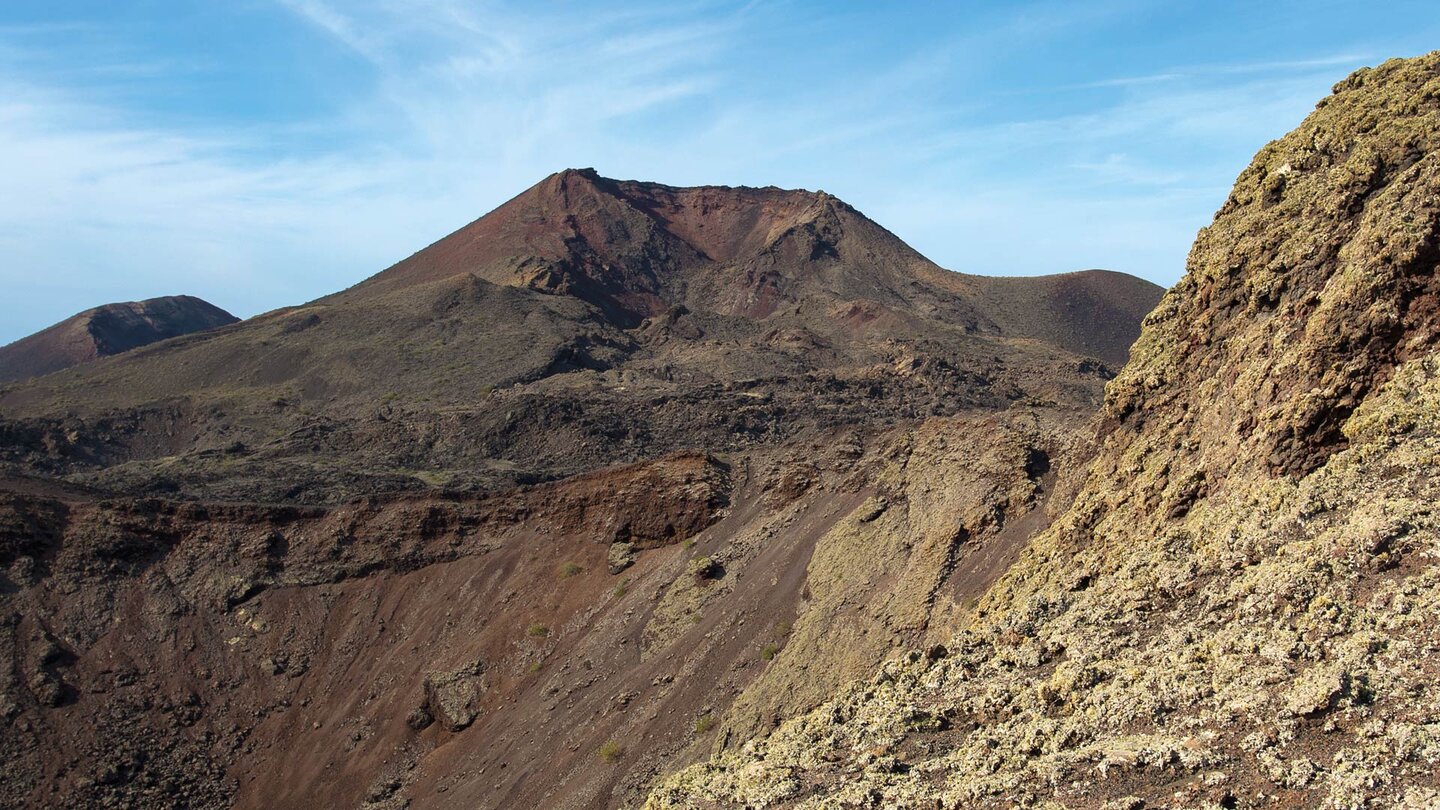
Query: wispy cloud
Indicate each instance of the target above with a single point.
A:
(339, 26)
(1211, 71)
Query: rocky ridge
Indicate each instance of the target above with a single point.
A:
(1236, 609)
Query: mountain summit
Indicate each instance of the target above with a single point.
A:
(636, 250)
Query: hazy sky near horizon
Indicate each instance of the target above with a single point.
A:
(261, 153)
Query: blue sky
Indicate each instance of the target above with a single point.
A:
(260, 153)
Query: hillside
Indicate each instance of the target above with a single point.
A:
(1237, 609)
(587, 322)
(106, 330)
(615, 475)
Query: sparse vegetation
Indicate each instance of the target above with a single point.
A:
(537, 630)
(431, 478)
(769, 651)
(610, 751)
(704, 568)
(622, 588)
(704, 723)
(570, 569)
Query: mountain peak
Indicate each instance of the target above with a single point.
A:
(635, 248)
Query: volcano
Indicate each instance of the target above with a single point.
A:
(617, 475)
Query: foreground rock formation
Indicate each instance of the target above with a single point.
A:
(617, 476)
(107, 330)
(1238, 608)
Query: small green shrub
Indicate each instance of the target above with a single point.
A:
(769, 651)
(622, 589)
(537, 630)
(704, 723)
(610, 751)
(569, 569)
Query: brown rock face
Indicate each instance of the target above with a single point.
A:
(228, 610)
(1281, 331)
(107, 330)
(453, 697)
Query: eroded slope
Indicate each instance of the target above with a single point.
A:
(558, 646)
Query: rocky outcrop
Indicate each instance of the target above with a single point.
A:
(1236, 610)
(453, 697)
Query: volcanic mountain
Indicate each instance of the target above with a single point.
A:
(615, 476)
(585, 322)
(107, 330)
(639, 251)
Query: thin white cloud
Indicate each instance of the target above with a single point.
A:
(330, 20)
(1194, 72)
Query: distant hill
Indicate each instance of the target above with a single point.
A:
(106, 330)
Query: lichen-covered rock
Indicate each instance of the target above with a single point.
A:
(620, 556)
(453, 697)
(1238, 607)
